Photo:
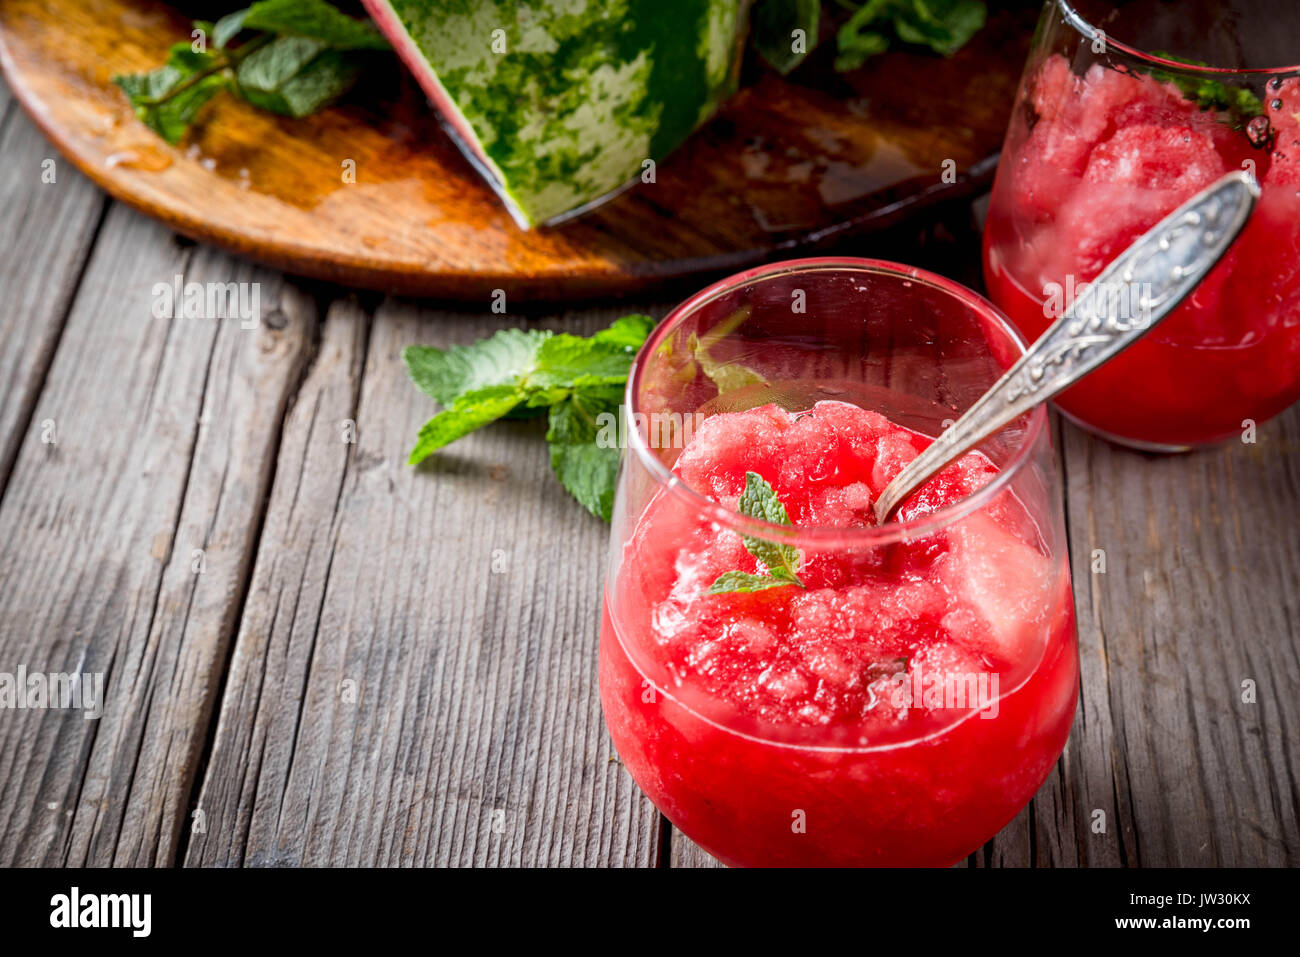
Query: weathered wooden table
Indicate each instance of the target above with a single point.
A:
(317, 655)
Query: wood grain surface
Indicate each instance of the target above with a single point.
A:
(789, 164)
(414, 678)
(385, 665)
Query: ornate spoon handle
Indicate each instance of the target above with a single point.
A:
(1138, 289)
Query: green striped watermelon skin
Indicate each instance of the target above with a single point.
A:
(584, 93)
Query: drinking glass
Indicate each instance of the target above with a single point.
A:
(1112, 130)
(906, 703)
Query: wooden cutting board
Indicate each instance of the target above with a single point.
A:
(789, 164)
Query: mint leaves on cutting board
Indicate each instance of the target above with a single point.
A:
(785, 31)
(298, 56)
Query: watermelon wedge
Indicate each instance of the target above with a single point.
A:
(559, 103)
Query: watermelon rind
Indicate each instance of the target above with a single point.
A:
(559, 103)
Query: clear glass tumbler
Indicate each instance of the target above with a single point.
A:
(902, 701)
(1112, 129)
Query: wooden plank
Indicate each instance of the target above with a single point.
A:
(1201, 593)
(126, 544)
(686, 853)
(48, 228)
(414, 680)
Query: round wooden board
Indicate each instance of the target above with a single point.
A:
(789, 164)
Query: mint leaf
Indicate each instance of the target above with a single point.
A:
(503, 358)
(1210, 94)
(470, 411)
(759, 500)
(567, 363)
(574, 380)
(772, 25)
(727, 376)
(729, 582)
(168, 99)
(306, 55)
(588, 470)
(574, 362)
(857, 47)
(295, 76)
(629, 332)
(227, 28)
(314, 19)
(943, 26)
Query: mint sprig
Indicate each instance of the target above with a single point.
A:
(727, 376)
(873, 26)
(573, 380)
(1240, 103)
(943, 26)
(759, 500)
(299, 56)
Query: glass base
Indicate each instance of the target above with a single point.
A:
(1136, 444)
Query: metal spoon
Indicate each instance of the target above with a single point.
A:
(1166, 263)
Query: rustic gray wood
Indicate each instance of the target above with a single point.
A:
(125, 544)
(1201, 593)
(47, 230)
(414, 680)
(385, 665)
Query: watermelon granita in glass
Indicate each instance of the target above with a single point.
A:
(1104, 141)
(789, 682)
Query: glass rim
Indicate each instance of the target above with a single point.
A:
(823, 536)
(1081, 24)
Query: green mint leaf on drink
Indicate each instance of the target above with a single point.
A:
(1208, 94)
(726, 376)
(575, 381)
(759, 500)
(746, 582)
